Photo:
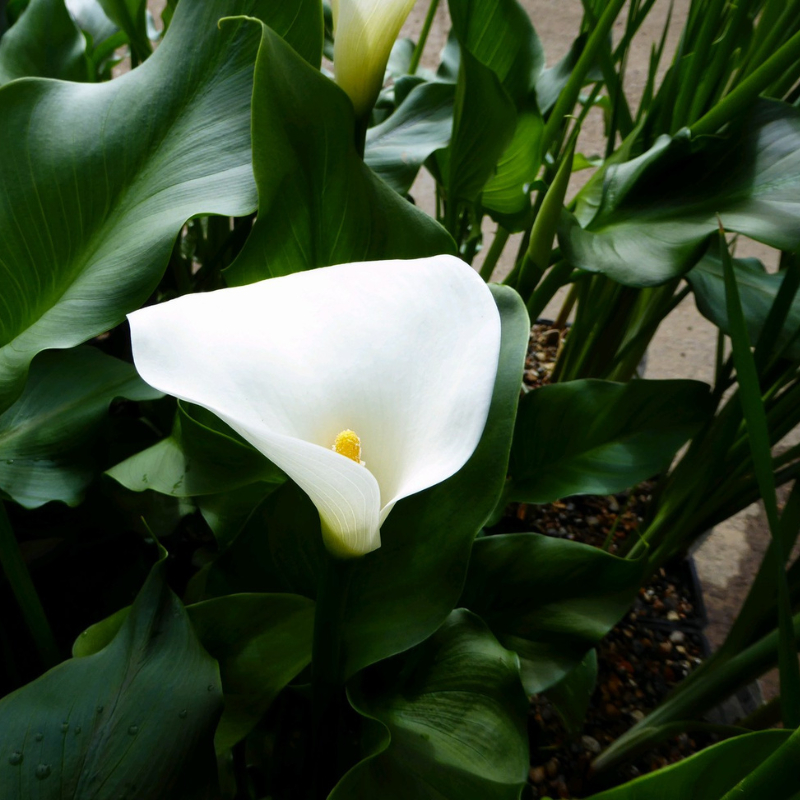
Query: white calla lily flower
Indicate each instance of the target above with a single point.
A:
(364, 33)
(364, 382)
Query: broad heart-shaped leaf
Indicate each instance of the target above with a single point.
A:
(550, 600)
(659, 210)
(135, 720)
(450, 720)
(401, 592)
(261, 642)
(757, 291)
(45, 42)
(707, 775)
(501, 37)
(318, 203)
(89, 218)
(600, 437)
(45, 436)
(422, 124)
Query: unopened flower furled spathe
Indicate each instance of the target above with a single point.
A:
(364, 382)
(364, 33)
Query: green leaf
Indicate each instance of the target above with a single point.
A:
(45, 436)
(203, 456)
(400, 593)
(450, 719)
(551, 82)
(318, 203)
(90, 18)
(506, 195)
(658, 211)
(45, 43)
(89, 219)
(707, 775)
(397, 148)
(131, 17)
(206, 460)
(572, 695)
(550, 600)
(600, 437)
(261, 642)
(758, 438)
(500, 36)
(135, 720)
(758, 290)
(484, 121)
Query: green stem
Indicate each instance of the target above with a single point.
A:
(749, 89)
(495, 251)
(423, 37)
(327, 670)
(16, 572)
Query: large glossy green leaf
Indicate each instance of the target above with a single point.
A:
(46, 435)
(501, 37)
(46, 43)
(658, 211)
(400, 593)
(550, 600)
(136, 719)
(98, 179)
(261, 642)
(708, 775)
(318, 203)
(757, 290)
(451, 725)
(599, 437)
(422, 124)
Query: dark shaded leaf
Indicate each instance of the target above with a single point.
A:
(45, 43)
(550, 600)
(135, 720)
(450, 725)
(45, 436)
(600, 437)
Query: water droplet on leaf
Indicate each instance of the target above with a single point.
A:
(133, 730)
(64, 727)
(15, 759)
(182, 714)
(39, 737)
(43, 771)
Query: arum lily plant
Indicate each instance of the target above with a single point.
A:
(350, 378)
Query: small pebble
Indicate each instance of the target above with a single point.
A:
(677, 637)
(591, 744)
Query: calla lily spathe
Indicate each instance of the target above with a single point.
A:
(364, 33)
(364, 382)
